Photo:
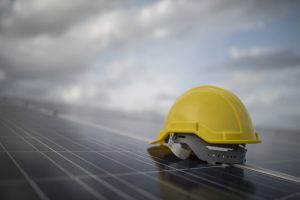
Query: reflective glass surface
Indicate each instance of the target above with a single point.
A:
(47, 157)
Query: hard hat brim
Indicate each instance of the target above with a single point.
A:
(164, 135)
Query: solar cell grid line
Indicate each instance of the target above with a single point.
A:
(48, 122)
(57, 121)
(212, 177)
(146, 163)
(120, 150)
(146, 171)
(81, 183)
(170, 185)
(270, 186)
(57, 178)
(175, 169)
(116, 190)
(258, 177)
(259, 182)
(184, 172)
(202, 178)
(268, 172)
(33, 185)
(184, 177)
(143, 192)
(58, 166)
(101, 138)
(115, 161)
(105, 144)
(266, 193)
(73, 140)
(178, 170)
(117, 151)
(269, 191)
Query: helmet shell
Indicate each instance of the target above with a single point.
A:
(213, 114)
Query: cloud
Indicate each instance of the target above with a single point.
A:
(33, 17)
(136, 55)
(263, 58)
(267, 81)
(270, 99)
(2, 75)
(239, 53)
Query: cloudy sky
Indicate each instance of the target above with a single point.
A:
(140, 55)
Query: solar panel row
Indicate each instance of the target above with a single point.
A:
(44, 157)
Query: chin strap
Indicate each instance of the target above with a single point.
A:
(182, 145)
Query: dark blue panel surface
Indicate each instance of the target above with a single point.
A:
(45, 157)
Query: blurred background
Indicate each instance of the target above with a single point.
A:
(139, 56)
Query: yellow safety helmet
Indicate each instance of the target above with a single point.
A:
(211, 114)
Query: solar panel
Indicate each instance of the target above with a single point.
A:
(46, 157)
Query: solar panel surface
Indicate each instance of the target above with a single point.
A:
(47, 157)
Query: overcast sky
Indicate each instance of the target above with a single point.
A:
(141, 55)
